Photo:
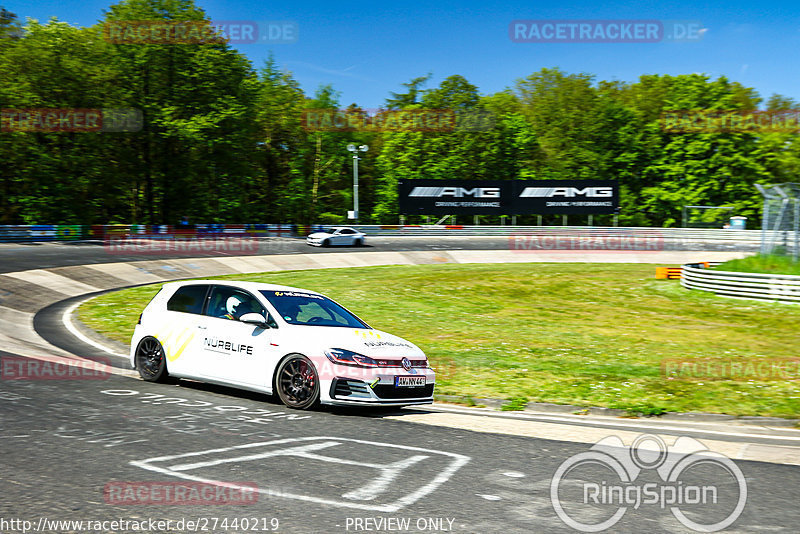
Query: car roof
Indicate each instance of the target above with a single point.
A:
(250, 286)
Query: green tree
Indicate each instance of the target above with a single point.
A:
(704, 168)
(411, 97)
(64, 176)
(195, 151)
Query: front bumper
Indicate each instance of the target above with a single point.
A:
(381, 393)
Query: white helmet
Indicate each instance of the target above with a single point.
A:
(232, 303)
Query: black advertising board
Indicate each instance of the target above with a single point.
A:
(447, 197)
(565, 197)
(507, 197)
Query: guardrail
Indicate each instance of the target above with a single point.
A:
(531, 237)
(588, 237)
(666, 233)
(73, 232)
(685, 234)
(756, 286)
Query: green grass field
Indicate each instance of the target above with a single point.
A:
(767, 264)
(591, 335)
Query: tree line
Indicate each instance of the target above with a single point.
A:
(223, 141)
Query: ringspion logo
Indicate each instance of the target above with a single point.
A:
(705, 491)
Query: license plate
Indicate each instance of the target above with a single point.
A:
(409, 381)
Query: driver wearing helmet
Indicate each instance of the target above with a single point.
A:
(231, 306)
(291, 311)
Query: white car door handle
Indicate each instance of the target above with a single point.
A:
(202, 327)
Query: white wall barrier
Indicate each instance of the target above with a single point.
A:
(772, 287)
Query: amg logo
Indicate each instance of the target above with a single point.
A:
(568, 192)
(457, 192)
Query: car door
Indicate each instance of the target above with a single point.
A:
(347, 236)
(235, 352)
(336, 236)
(179, 333)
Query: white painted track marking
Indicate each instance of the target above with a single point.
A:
(594, 422)
(389, 471)
(66, 318)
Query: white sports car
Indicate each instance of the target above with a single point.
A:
(337, 235)
(276, 339)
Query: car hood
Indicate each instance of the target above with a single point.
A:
(320, 234)
(369, 342)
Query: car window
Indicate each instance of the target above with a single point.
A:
(188, 299)
(227, 302)
(311, 309)
(347, 231)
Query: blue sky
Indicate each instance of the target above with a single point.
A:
(368, 49)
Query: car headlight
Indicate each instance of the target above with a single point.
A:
(348, 357)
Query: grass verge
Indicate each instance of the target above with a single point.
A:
(766, 264)
(589, 335)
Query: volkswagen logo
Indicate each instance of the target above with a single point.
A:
(406, 363)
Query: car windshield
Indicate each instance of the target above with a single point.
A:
(311, 309)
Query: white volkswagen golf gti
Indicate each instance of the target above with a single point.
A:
(276, 339)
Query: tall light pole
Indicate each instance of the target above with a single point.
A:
(355, 150)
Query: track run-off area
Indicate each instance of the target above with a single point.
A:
(98, 447)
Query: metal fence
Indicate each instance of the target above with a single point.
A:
(781, 220)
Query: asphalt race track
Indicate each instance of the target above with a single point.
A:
(64, 441)
(22, 256)
(72, 449)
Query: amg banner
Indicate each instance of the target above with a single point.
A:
(565, 197)
(508, 197)
(445, 197)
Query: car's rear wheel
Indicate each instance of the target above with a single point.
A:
(358, 242)
(151, 362)
(297, 382)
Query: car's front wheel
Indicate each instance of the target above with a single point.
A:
(326, 242)
(297, 382)
(151, 362)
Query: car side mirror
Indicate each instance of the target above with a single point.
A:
(255, 319)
